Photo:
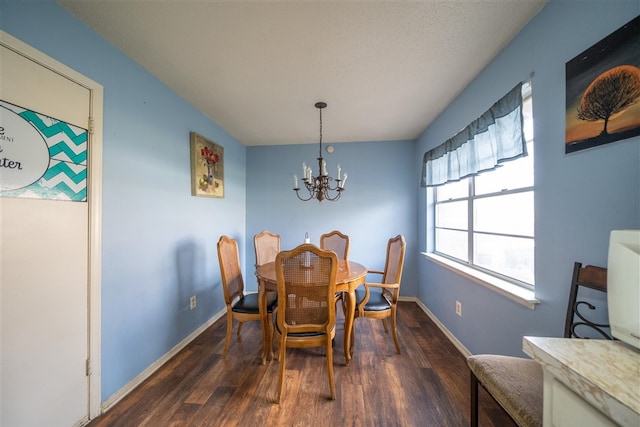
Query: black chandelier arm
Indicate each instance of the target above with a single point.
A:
(323, 182)
(297, 190)
(336, 197)
(319, 187)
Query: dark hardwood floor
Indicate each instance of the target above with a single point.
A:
(427, 385)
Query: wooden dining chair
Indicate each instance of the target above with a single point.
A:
(306, 313)
(337, 242)
(240, 306)
(266, 245)
(380, 300)
(516, 383)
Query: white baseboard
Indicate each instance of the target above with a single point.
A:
(461, 348)
(131, 385)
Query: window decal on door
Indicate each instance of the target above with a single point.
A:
(41, 157)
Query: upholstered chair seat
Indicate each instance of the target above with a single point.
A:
(514, 382)
(249, 303)
(376, 301)
(517, 383)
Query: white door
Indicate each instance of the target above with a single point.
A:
(45, 247)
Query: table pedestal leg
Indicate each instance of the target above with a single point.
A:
(262, 304)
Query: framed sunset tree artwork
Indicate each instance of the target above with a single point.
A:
(603, 91)
(207, 167)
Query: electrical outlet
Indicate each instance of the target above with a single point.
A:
(192, 302)
(459, 308)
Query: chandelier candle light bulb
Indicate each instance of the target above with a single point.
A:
(341, 185)
(319, 187)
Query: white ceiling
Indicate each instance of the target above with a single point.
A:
(386, 69)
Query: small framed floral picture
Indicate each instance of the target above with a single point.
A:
(207, 167)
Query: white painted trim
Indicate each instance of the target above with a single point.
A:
(461, 348)
(95, 254)
(139, 379)
(94, 199)
(507, 289)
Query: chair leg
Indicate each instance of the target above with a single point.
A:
(474, 400)
(227, 339)
(393, 329)
(239, 327)
(274, 348)
(332, 384)
(384, 323)
(283, 353)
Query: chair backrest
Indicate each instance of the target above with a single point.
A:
(306, 279)
(395, 260)
(232, 282)
(577, 318)
(267, 246)
(337, 242)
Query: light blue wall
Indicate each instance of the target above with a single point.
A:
(579, 198)
(378, 202)
(159, 242)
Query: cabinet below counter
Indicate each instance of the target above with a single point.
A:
(587, 382)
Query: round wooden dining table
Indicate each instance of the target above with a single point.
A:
(349, 276)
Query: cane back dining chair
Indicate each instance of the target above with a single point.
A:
(516, 383)
(240, 306)
(337, 242)
(266, 245)
(382, 303)
(306, 313)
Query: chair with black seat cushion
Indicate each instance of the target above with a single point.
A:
(516, 383)
(337, 242)
(306, 313)
(266, 245)
(240, 306)
(380, 300)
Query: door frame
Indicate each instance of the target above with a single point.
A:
(94, 199)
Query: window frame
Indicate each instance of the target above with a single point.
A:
(469, 266)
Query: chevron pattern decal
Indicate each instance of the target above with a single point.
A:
(66, 176)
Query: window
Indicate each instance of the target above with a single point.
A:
(486, 221)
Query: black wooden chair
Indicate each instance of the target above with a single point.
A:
(515, 383)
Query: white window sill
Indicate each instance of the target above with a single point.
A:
(509, 290)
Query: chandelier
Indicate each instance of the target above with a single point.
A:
(319, 187)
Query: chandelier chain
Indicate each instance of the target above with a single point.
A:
(320, 152)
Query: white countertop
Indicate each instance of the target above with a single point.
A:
(604, 373)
